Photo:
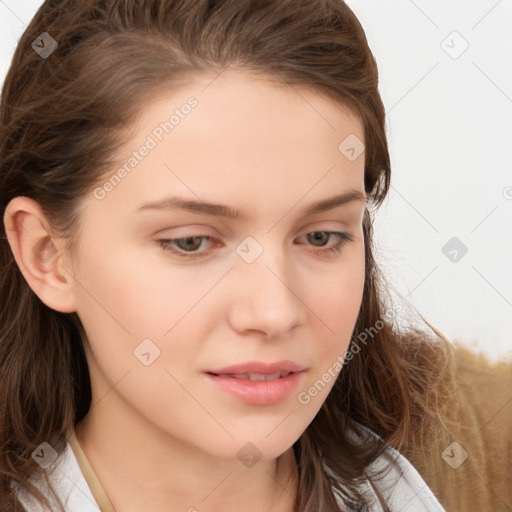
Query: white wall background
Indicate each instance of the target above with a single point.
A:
(446, 82)
(450, 136)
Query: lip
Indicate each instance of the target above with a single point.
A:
(260, 367)
(257, 392)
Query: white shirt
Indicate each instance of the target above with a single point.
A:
(402, 487)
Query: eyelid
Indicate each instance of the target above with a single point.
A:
(332, 250)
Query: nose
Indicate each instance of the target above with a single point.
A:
(267, 297)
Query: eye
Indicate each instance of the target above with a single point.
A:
(189, 243)
(341, 238)
(188, 247)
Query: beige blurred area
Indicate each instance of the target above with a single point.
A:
(469, 466)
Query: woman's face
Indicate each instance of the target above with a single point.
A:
(267, 285)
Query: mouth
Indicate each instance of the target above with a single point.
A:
(253, 376)
(258, 370)
(261, 386)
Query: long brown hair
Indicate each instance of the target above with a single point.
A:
(62, 119)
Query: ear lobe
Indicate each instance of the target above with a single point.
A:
(37, 251)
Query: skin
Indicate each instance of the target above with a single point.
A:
(160, 437)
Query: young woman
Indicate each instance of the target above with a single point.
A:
(193, 319)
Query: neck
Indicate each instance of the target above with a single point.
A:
(160, 474)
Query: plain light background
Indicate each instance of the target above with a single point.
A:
(446, 82)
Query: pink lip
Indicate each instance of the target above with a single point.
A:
(260, 367)
(258, 392)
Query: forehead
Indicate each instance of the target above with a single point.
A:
(250, 105)
(239, 135)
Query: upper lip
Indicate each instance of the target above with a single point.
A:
(259, 367)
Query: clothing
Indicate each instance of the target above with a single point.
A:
(80, 490)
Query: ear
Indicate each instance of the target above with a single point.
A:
(39, 254)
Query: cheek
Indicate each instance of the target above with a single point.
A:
(339, 307)
(122, 308)
(143, 296)
(343, 294)
(338, 303)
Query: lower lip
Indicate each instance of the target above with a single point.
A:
(257, 392)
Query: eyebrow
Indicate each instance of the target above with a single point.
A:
(220, 210)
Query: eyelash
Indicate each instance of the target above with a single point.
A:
(342, 236)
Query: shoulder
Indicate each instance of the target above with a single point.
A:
(398, 482)
(68, 482)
